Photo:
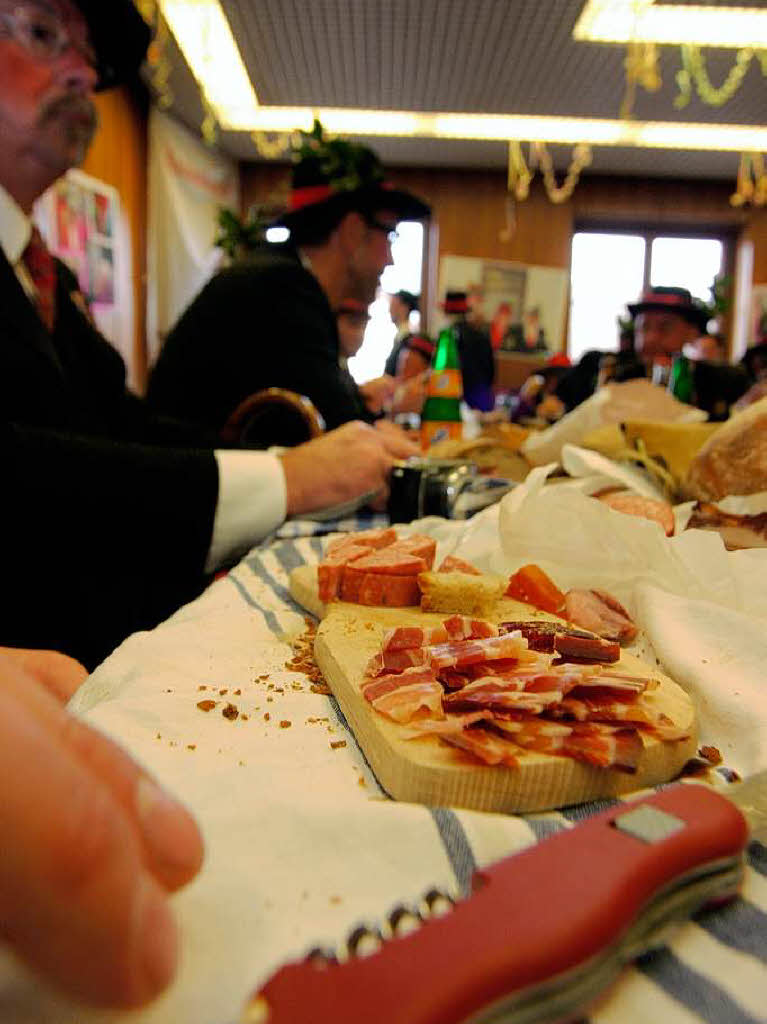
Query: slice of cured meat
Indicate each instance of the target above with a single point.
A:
(407, 702)
(418, 544)
(372, 689)
(595, 743)
(370, 539)
(470, 652)
(646, 508)
(330, 572)
(549, 637)
(457, 627)
(377, 588)
(453, 564)
(485, 746)
(600, 613)
(628, 712)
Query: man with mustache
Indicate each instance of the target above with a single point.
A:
(270, 320)
(90, 467)
(110, 519)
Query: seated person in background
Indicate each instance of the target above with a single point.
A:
(754, 362)
(475, 353)
(92, 847)
(381, 394)
(665, 320)
(537, 398)
(411, 352)
(113, 516)
(270, 321)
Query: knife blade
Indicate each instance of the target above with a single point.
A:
(544, 931)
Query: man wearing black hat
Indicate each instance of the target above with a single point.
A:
(665, 320)
(271, 321)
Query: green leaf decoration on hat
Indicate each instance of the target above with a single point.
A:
(344, 166)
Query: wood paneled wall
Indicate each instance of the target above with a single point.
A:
(118, 157)
(471, 209)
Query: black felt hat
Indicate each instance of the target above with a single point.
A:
(120, 37)
(335, 175)
(672, 300)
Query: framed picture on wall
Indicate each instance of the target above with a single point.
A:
(79, 216)
(523, 306)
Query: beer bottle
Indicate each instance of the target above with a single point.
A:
(681, 383)
(441, 413)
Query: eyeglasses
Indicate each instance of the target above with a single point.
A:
(42, 33)
(391, 233)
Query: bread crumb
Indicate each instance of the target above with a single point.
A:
(191, 746)
(206, 705)
(238, 693)
(320, 688)
(244, 717)
(336, 900)
(335, 744)
(222, 692)
(267, 716)
(285, 724)
(230, 712)
(202, 687)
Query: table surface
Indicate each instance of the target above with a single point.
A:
(302, 843)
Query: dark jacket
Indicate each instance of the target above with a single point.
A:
(263, 323)
(105, 526)
(477, 365)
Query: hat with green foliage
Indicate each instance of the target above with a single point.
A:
(332, 177)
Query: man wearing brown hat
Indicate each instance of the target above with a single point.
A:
(271, 321)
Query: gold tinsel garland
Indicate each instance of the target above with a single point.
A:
(694, 73)
(752, 181)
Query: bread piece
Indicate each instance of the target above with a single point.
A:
(460, 593)
(734, 459)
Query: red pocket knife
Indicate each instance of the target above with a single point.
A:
(544, 931)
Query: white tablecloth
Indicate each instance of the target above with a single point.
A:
(302, 845)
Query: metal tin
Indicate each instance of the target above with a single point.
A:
(427, 487)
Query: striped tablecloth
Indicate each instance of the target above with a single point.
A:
(302, 843)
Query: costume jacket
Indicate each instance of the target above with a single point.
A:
(258, 324)
(105, 527)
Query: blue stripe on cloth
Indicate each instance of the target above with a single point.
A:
(692, 989)
(457, 847)
(311, 527)
(341, 719)
(288, 555)
(269, 617)
(757, 857)
(256, 565)
(580, 812)
(544, 825)
(738, 924)
(317, 547)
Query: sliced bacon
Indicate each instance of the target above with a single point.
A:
(614, 682)
(595, 743)
(485, 746)
(470, 652)
(494, 695)
(450, 724)
(453, 564)
(600, 613)
(407, 702)
(395, 661)
(633, 712)
(374, 688)
(457, 627)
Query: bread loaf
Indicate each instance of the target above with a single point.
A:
(460, 593)
(734, 459)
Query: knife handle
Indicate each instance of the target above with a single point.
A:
(535, 917)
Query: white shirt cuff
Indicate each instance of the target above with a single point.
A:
(252, 500)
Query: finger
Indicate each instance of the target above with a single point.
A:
(58, 673)
(169, 840)
(75, 900)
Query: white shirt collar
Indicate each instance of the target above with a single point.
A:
(15, 228)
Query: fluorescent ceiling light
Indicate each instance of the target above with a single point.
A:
(644, 21)
(206, 41)
(502, 128)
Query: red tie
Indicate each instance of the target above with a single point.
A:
(42, 270)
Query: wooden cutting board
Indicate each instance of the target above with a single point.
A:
(430, 772)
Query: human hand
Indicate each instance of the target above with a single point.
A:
(398, 442)
(91, 847)
(341, 465)
(411, 394)
(378, 393)
(58, 673)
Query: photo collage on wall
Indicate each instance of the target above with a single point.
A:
(79, 218)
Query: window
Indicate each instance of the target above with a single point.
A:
(404, 272)
(610, 269)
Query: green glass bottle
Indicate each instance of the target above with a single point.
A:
(681, 383)
(441, 413)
